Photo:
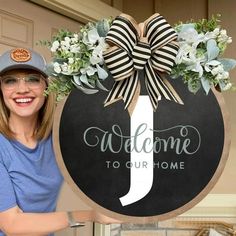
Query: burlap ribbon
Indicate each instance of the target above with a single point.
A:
(150, 46)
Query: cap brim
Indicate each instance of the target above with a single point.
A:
(22, 66)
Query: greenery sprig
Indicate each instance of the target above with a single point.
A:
(77, 59)
(199, 62)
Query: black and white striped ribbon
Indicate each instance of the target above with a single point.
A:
(131, 54)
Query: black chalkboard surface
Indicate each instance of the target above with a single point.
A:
(189, 152)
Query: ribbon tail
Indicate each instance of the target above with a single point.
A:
(175, 95)
(158, 88)
(124, 89)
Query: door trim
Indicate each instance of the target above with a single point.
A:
(80, 10)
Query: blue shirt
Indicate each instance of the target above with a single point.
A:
(29, 177)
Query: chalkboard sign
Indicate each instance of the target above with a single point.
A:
(150, 166)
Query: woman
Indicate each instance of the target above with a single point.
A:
(29, 176)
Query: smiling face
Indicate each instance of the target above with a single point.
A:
(23, 92)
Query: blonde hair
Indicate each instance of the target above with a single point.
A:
(45, 118)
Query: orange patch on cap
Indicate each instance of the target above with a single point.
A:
(20, 55)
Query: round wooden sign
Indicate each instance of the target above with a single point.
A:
(144, 167)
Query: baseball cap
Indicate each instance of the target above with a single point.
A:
(22, 58)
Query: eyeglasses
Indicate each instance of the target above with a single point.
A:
(32, 81)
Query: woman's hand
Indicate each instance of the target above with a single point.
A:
(93, 216)
(102, 219)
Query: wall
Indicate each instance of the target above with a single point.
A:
(181, 10)
(174, 11)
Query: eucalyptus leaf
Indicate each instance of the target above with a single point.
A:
(65, 73)
(102, 74)
(227, 63)
(206, 85)
(77, 80)
(194, 85)
(99, 85)
(185, 27)
(75, 73)
(49, 70)
(84, 79)
(59, 60)
(85, 90)
(212, 49)
(103, 27)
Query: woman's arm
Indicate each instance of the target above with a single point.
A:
(13, 222)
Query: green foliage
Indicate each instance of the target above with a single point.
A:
(198, 61)
(61, 86)
(204, 25)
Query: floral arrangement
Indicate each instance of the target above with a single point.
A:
(78, 57)
(199, 60)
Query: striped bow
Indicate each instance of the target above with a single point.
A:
(150, 46)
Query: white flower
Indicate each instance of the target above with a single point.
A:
(216, 31)
(65, 48)
(219, 77)
(227, 86)
(71, 60)
(56, 67)
(223, 75)
(97, 56)
(76, 36)
(226, 74)
(212, 34)
(74, 40)
(55, 46)
(223, 37)
(217, 70)
(89, 70)
(67, 39)
(223, 32)
(74, 48)
(229, 40)
(64, 67)
(186, 54)
(65, 45)
(209, 66)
